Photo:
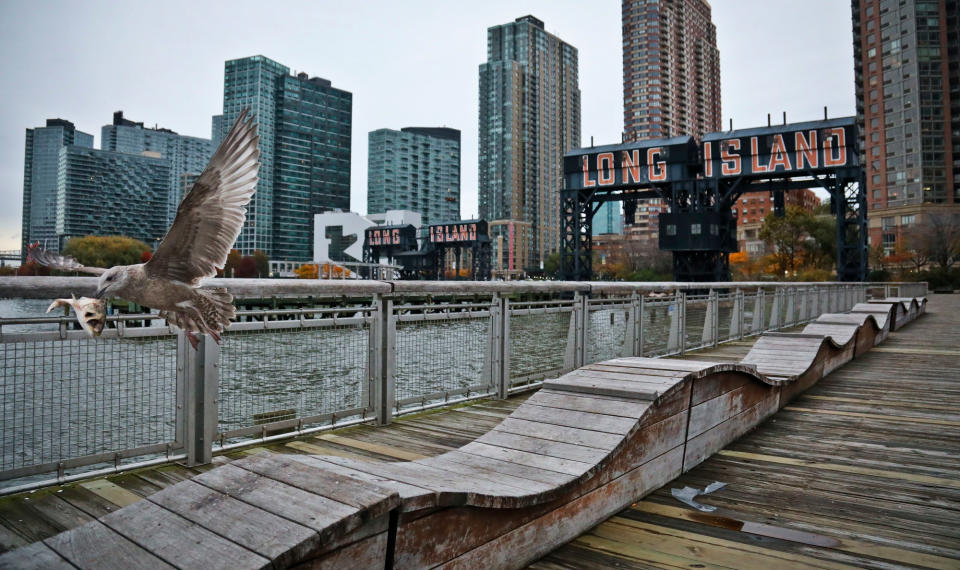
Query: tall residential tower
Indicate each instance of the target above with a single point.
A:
(417, 169)
(529, 116)
(671, 83)
(671, 69)
(41, 164)
(907, 64)
(304, 125)
(187, 155)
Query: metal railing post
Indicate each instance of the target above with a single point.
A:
(201, 378)
(708, 337)
(682, 305)
(631, 340)
(582, 311)
(384, 366)
(500, 347)
(639, 324)
(736, 315)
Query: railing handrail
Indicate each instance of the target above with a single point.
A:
(50, 287)
(379, 313)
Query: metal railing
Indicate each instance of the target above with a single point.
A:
(75, 406)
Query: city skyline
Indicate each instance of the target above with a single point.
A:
(179, 84)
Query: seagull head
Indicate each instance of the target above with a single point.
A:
(112, 282)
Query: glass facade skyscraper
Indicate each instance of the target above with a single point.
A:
(111, 193)
(187, 155)
(40, 173)
(312, 160)
(608, 219)
(417, 169)
(529, 117)
(304, 125)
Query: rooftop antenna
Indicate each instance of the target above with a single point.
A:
(824, 112)
(731, 123)
(784, 117)
(768, 119)
(591, 141)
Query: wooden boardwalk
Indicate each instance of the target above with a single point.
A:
(860, 454)
(861, 471)
(30, 517)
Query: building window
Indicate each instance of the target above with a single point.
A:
(694, 229)
(671, 230)
(908, 220)
(888, 223)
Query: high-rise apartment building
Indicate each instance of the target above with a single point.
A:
(304, 125)
(529, 116)
(907, 64)
(187, 155)
(671, 81)
(40, 171)
(417, 169)
(312, 160)
(608, 219)
(671, 69)
(102, 192)
(218, 130)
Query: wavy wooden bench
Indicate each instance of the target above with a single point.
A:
(576, 452)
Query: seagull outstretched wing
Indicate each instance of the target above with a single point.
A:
(59, 262)
(211, 215)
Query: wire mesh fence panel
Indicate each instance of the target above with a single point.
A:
(769, 302)
(274, 375)
(657, 320)
(784, 305)
(696, 319)
(538, 345)
(606, 331)
(67, 399)
(436, 358)
(751, 310)
(724, 315)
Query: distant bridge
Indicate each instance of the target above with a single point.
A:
(9, 255)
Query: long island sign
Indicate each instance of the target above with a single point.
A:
(801, 148)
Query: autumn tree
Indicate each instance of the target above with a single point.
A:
(106, 251)
(938, 238)
(233, 260)
(787, 235)
(308, 271)
(247, 267)
(262, 262)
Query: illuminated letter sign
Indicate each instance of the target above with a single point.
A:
(806, 149)
(828, 149)
(587, 183)
(778, 155)
(605, 169)
(657, 170)
(631, 166)
(731, 162)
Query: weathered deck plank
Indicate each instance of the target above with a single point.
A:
(860, 471)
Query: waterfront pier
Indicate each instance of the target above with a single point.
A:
(541, 456)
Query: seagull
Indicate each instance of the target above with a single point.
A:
(207, 223)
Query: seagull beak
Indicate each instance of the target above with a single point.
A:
(99, 293)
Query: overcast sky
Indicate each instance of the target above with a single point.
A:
(411, 63)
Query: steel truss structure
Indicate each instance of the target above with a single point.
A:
(701, 189)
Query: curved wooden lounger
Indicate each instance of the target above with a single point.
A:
(577, 451)
(902, 310)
